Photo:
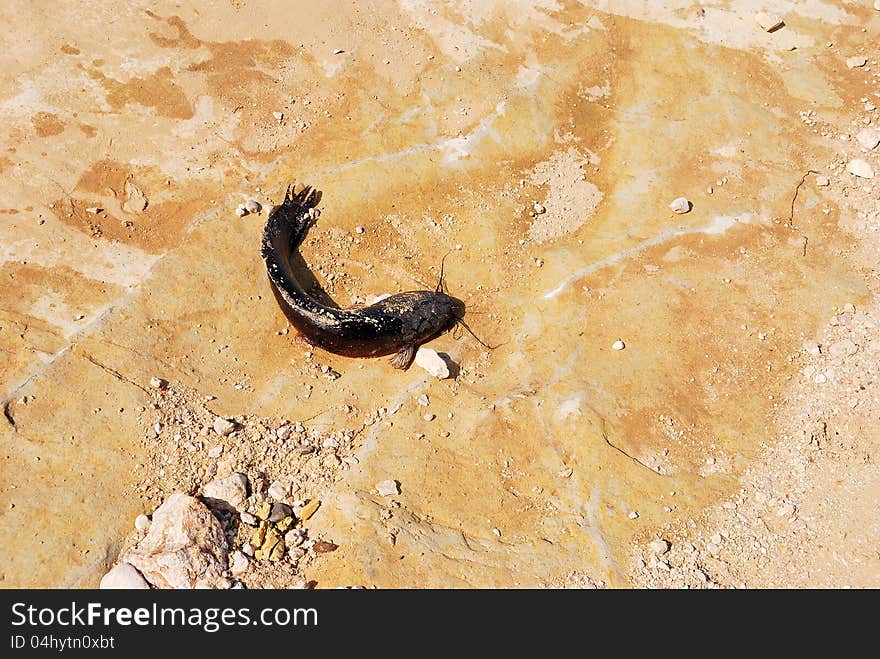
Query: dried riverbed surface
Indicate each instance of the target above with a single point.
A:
(666, 219)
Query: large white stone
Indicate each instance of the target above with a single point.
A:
(123, 577)
(184, 548)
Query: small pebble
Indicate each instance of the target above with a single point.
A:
(294, 537)
(279, 512)
(276, 491)
(338, 51)
(618, 345)
(820, 378)
(239, 563)
(658, 546)
(252, 206)
(142, 523)
(241, 211)
(430, 417)
(388, 487)
(249, 519)
(860, 168)
(309, 509)
(359, 229)
(868, 138)
(823, 181)
(278, 115)
(539, 208)
(680, 205)
(322, 547)
(433, 363)
(539, 263)
(856, 61)
(633, 515)
(215, 451)
(223, 426)
(423, 400)
(158, 383)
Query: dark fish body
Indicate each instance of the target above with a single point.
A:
(394, 325)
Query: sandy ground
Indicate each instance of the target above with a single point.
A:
(731, 442)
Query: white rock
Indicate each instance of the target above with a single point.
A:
(877, 5)
(142, 523)
(158, 383)
(184, 548)
(428, 359)
(388, 487)
(633, 515)
(249, 519)
(423, 400)
(768, 22)
(430, 417)
(856, 61)
(240, 563)
(539, 208)
(812, 347)
(215, 451)
(618, 345)
(338, 51)
(823, 181)
(680, 205)
(241, 211)
(869, 138)
(278, 115)
(123, 576)
(252, 206)
(248, 549)
(223, 426)
(276, 491)
(658, 546)
(820, 378)
(359, 229)
(860, 168)
(231, 490)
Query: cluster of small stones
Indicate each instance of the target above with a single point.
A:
(260, 477)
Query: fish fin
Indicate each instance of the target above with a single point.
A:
(404, 359)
